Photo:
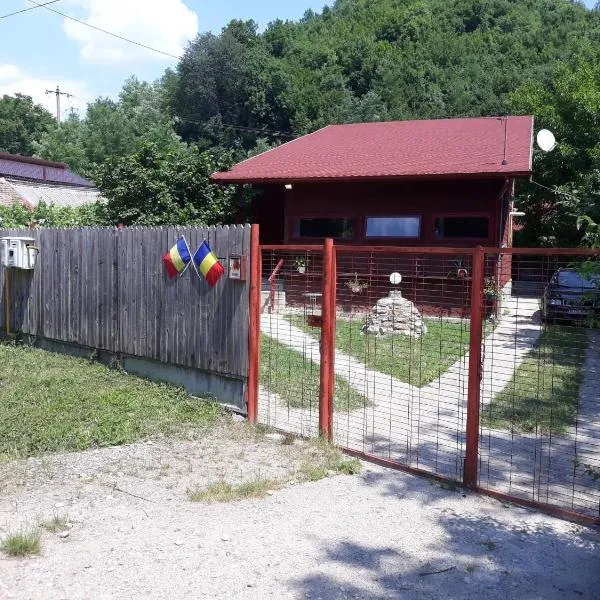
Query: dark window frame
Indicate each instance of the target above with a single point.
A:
(295, 227)
(465, 215)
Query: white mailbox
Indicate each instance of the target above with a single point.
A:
(18, 252)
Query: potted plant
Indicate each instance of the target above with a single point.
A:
(355, 285)
(490, 289)
(462, 270)
(300, 264)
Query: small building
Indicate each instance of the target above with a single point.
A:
(32, 181)
(447, 182)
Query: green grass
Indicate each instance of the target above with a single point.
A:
(55, 525)
(54, 403)
(23, 543)
(417, 361)
(542, 396)
(325, 459)
(295, 380)
(222, 491)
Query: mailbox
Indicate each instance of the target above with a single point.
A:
(18, 252)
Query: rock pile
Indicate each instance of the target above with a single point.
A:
(395, 315)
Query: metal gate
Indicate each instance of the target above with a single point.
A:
(434, 360)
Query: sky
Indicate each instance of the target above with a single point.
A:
(40, 49)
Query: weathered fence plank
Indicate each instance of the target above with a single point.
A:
(106, 288)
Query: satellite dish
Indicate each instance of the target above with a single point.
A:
(395, 278)
(546, 140)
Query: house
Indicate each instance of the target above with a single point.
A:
(32, 181)
(435, 183)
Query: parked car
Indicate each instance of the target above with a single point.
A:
(571, 296)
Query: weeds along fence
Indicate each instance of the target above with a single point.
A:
(478, 365)
(106, 289)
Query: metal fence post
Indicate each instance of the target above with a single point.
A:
(254, 328)
(327, 341)
(475, 355)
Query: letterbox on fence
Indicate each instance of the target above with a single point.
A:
(18, 252)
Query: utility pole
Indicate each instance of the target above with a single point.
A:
(58, 95)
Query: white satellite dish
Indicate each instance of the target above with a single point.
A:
(546, 140)
(395, 278)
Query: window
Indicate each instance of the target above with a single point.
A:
(461, 228)
(317, 227)
(394, 227)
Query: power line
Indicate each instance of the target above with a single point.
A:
(115, 35)
(18, 12)
(554, 190)
(243, 128)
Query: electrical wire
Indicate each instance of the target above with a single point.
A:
(18, 12)
(115, 35)
(554, 190)
(208, 127)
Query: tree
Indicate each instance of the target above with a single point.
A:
(111, 128)
(17, 215)
(22, 123)
(568, 103)
(156, 186)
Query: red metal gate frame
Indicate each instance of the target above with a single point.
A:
(327, 363)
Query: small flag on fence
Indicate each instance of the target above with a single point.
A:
(208, 264)
(177, 259)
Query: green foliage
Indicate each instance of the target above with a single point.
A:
(17, 216)
(111, 129)
(171, 185)
(364, 60)
(568, 103)
(22, 123)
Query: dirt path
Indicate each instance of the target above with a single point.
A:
(379, 535)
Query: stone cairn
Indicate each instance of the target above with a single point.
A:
(395, 315)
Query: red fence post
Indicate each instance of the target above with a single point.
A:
(475, 354)
(333, 330)
(327, 341)
(254, 325)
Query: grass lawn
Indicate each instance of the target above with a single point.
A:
(542, 395)
(53, 403)
(295, 380)
(417, 361)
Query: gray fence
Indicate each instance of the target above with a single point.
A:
(107, 289)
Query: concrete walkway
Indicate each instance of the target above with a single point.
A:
(424, 427)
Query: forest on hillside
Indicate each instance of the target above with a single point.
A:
(242, 91)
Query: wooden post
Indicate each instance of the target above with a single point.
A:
(475, 355)
(327, 341)
(254, 328)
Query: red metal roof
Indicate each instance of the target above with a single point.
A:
(486, 146)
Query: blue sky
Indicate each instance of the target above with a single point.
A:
(40, 49)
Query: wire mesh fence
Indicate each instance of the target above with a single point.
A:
(402, 336)
(540, 398)
(290, 356)
(403, 331)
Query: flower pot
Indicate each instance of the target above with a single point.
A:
(301, 269)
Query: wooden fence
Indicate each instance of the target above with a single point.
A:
(106, 288)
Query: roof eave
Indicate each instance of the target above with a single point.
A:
(233, 180)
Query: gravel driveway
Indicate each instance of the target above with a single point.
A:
(378, 535)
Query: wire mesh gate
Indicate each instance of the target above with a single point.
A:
(462, 369)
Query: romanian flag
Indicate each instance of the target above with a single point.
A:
(208, 264)
(177, 259)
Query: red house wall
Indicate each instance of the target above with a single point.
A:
(428, 281)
